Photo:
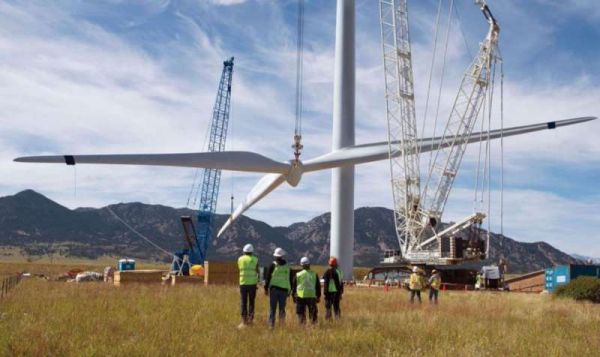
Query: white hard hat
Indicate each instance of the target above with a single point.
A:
(278, 252)
(304, 261)
(415, 269)
(248, 248)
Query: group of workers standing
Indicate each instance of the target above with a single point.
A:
(418, 281)
(305, 287)
(280, 283)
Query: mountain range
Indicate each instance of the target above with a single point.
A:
(36, 225)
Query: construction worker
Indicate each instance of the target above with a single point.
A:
(248, 266)
(415, 285)
(278, 283)
(478, 282)
(306, 292)
(435, 281)
(333, 279)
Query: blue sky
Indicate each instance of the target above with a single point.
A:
(133, 76)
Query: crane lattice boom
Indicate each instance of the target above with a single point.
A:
(401, 117)
(459, 127)
(211, 178)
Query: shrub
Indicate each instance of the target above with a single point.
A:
(582, 288)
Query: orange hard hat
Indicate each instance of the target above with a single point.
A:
(333, 261)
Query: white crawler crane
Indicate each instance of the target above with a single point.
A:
(418, 213)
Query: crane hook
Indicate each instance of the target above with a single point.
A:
(297, 148)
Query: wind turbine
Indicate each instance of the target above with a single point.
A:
(341, 160)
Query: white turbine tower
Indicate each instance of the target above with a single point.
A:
(341, 244)
(341, 160)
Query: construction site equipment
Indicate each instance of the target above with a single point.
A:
(197, 239)
(197, 270)
(126, 264)
(492, 277)
(418, 209)
(87, 276)
(563, 274)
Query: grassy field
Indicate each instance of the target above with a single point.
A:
(66, 319)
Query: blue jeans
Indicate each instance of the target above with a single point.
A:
(277, 297)
(433, 295)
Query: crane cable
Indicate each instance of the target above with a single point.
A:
(138, 233)
(502, 147)
(297, 146)
(489, 158)
(437, 110)
(231, 148)
(435, 41)
(192, 199)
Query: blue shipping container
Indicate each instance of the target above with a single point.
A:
(563, 274)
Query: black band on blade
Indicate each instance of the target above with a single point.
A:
(69, 160)
(552, 125)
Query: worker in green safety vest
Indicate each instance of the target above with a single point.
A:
(334, 288)
(435, 282)
(306, 292)
(278, 283)
(248, 266)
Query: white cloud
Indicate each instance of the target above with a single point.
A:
(227, 2)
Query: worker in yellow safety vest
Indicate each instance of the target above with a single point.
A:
(306, 292)
(248, 266)
(278, 282)
(478, 282)
(435, 281)
(415, 285)
(334, 288)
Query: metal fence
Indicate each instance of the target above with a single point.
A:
(8, 283)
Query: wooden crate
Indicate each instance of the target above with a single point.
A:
(223, 273)
(183, 279)
(139, 276)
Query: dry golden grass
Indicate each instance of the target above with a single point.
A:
(51, 318)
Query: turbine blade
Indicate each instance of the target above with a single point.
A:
(262, 188)
(360, 154)
(223, 160)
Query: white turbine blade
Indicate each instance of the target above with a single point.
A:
(360, 154)
(262, 188)
(223, 160)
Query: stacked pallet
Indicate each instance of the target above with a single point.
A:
(138, 276)
(533, 282)
(222, 273)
